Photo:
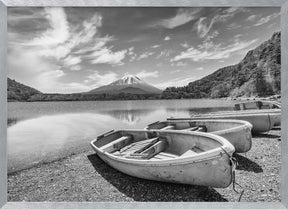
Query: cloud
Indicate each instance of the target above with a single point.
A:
(164, 53)
(179, 64)
(107, 56)
(208, 41)
(177, 82)
(155, 46)
(213, 52)
(167, 38)
(42, 59)
(199, 68)
(133, 57)
(251, 18)
(205, 25)
(237, 36)
(182, 17)
(75, 68)
(144, 74)
(266, 19)
(89, 29)
(59, 31)
(145, 55)
(33, 70)
(74, 87)
(72, 60)
(96, 80)
(92, 81)
(234, 26)
(60, 40)
(185, 45)
(97, 44)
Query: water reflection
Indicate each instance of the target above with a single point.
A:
(19, 111)
(47, 138)
(12, 121)
(129, 117)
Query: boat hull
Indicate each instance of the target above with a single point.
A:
(261, 122)
(212, 172)
(237, 132)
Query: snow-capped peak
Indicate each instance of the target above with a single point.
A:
(128, 80)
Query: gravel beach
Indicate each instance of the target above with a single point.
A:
(85, 177)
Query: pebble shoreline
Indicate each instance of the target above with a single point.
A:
(85, 177)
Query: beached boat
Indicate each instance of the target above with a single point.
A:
(261, 121)
(237, 132)
(171, 156)
(260, 105)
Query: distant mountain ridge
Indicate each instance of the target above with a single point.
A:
(258, 74)
(127, 84)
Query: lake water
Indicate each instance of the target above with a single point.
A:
(41, 132)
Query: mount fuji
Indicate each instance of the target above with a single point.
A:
(129, 84)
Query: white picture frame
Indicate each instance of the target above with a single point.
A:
(4, 4)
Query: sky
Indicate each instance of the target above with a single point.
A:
(70, 50)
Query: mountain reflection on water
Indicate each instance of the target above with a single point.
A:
(129, 117)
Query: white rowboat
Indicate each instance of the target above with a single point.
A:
(237, 132)
(261, 121)
(169, 156)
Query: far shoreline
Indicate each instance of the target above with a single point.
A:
(275, 97)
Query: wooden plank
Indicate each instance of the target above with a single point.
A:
(117, 144)
(156, 148)
(136, 145)
(168, 127)
(190, 129)
(155, 140)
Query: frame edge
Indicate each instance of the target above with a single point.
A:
(3, 104)
(284, 98)
(4, 4)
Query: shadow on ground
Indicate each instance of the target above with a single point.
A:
(266, 135)
(247, 164)
(276, 128)
(145, 190)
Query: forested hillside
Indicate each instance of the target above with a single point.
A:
(19, 92)
(258, 74)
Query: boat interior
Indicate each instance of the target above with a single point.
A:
(151, 145)
(255, 105)
(197, 126)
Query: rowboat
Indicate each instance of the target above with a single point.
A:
(171, 156)
(260, 105)
(237, 132)
(261, 121)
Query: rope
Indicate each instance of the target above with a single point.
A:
(234, 165)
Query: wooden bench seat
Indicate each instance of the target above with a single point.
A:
(190, 129)
(117, 144)
(169, 127)
(147, 151)
(135, 147)
(196, 128)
